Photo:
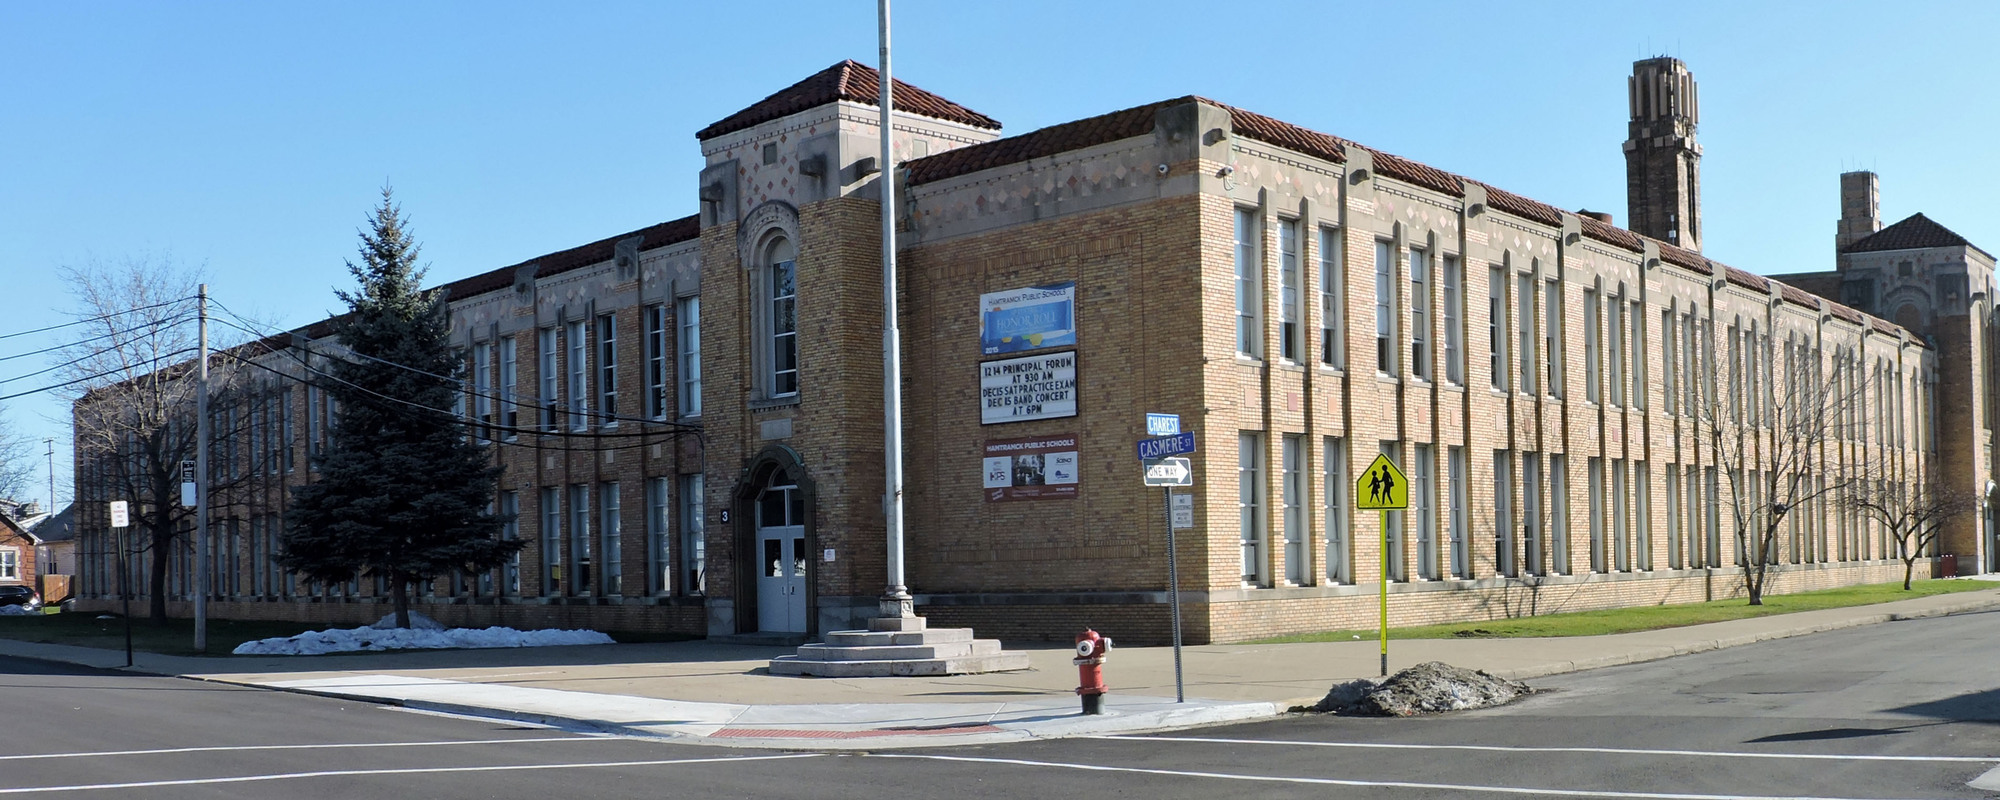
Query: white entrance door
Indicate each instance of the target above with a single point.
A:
(781, 578)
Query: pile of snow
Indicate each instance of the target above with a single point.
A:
(434, 637)
(19, 611)
(1428, 688)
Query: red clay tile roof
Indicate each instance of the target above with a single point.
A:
(1137, 121)
(848, 80)
(1884, 326)
(1844, 312)
(1915, 232)
(1746, 279)
(1683, 257)
(665, 233)
(1610, 234)
(1798, 296)
(1270, 130)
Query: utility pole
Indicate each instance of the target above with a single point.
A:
(51, 444)
(201, 480)
(896, 600)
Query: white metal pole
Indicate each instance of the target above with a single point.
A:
(201, 481)
(896, 600)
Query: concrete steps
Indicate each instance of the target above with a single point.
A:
(899, 647)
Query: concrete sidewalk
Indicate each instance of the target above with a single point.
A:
(721, 693)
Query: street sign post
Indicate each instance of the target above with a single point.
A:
(121, 518)
(1382, 487)
(1168, 472)
(1166, 446)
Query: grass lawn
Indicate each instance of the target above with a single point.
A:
(1646, 618)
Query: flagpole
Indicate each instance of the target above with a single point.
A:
(896, 599)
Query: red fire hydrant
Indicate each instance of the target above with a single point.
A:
(1091, 650)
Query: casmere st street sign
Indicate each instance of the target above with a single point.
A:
(1166, 446)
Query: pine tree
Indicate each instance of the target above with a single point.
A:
(402, 493)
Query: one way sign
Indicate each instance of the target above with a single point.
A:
(1168, 472)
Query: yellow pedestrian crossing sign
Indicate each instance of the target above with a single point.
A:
(1382, 487)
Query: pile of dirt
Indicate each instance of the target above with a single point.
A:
(1429, 688)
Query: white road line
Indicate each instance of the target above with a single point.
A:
(1536, 792)
(1608, 750)
(346, 773)
(233, 748)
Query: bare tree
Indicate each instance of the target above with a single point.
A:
(1913, 513)
(129, 374)
(1782, 438)
(17, 463)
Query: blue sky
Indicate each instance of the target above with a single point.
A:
(250, 139)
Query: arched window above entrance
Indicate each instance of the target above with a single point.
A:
(780, 502)
(781, 293)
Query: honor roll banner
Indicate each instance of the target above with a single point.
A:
(1034, 468)
(1031, 387)
(1025, 319)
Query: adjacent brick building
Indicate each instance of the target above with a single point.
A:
(690, 414)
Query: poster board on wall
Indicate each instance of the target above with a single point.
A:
(1032, 468)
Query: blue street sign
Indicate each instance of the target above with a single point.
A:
(1163, 424)
(1166, 446)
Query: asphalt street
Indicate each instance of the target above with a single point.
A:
(1901, 710)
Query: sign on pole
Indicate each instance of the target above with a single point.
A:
(1163, 424)
(1168, 472)
(1182, 511)
(1382, 487)
(1166, 446)
(187, 483)
(121, 514)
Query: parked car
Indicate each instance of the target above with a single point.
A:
(20, 596)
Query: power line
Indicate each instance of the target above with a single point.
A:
(96, 318)
(88, 378)
(179, 318)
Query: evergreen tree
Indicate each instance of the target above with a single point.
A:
(402, 493)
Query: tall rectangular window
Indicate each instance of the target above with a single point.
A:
(1496, 325)
(315, 424)
(656, 361)
(579, 539)
(1675, 559)
(1332, 297)
(1669, 362)
(1454, 320)
(1461, 542)
(1297, 569)
(510, 409)
(1291, 333)
(552, 571)
(694, 540)
(607, 368)
(1249, 504)
(1503, 513)
(1595, 487)
(510, 510)
(1559, 513)
(1642, 507)
(1621, 546)
(784, 323)
(688, 311)
(1697, 555)
(482, 389)
(1423, 503)
(1385, 307)
(659, 513)
(1639, 374)
(1339, 555)
(551, 378)
(1552, 335)
(579, 375)
(1524, 320)
(287, 437)
(1420, 314)
(1614, 342)
(610, 527)
(1531, 514)
(1691, 371)
(1249, 301)
(1591, 363)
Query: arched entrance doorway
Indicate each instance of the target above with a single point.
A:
(774, 539)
